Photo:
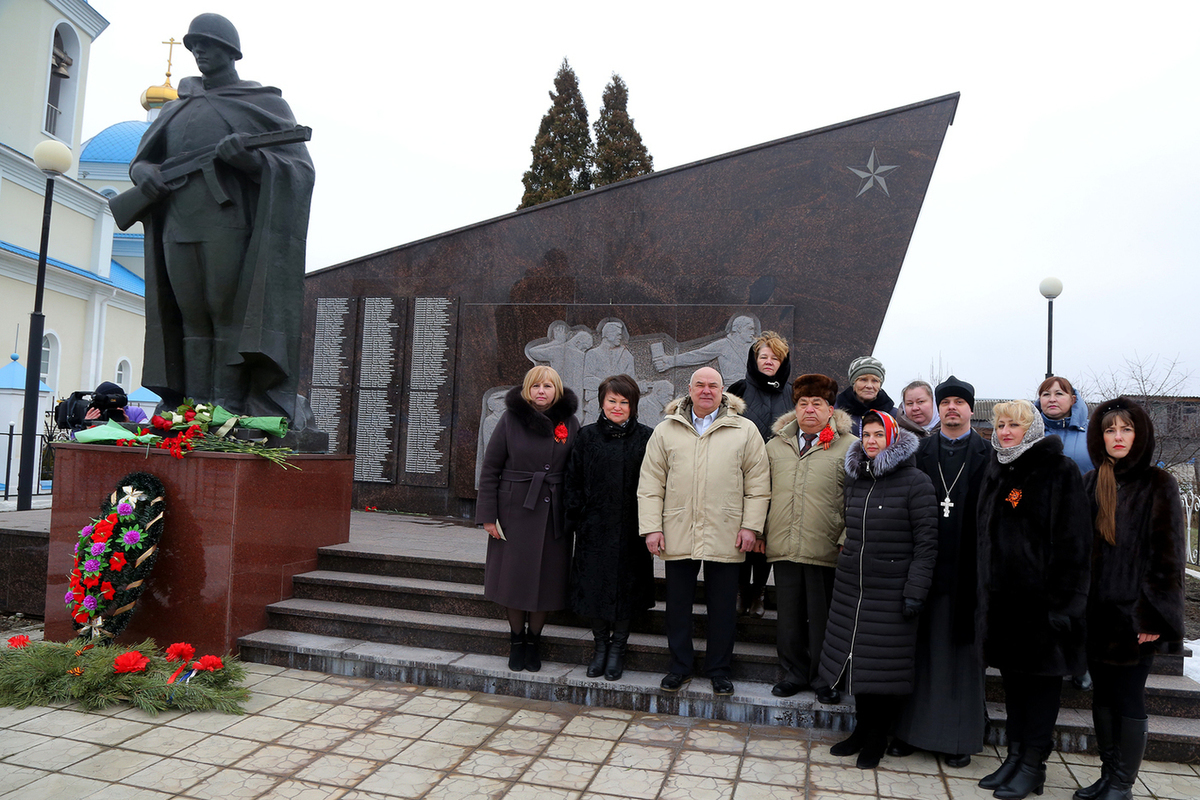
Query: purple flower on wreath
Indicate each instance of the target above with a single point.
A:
(91, 565)
(90, 603)
(88, 530)
(124, 509)
(98, 548)
(76, 551)
(132, 538)
(69, 597)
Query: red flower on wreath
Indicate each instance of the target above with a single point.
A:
(133, 661)
(107, 590)
(825, 437)
(103, 527)
(560, 433)
(81, 614)
(18, 641)
(117, 562)
(180, 651)
(92, 580)
(1014, 497)
(209, 663)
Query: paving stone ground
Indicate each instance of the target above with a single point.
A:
(311, 736)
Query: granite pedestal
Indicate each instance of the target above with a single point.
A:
(237, 528)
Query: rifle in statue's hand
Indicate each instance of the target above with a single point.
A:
(133, 204)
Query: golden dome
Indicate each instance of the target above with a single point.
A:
(157, 96)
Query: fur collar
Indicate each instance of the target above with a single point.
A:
(536, 421)
(683, 405)
(891, 458)
(787, 426)
(1141, 454)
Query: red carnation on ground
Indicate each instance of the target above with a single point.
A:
(117, 562)
(180, 651)
(189, 415)
(209, 663)
(18, 641)
(133, 661)
(158, 422)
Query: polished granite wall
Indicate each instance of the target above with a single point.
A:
(807, 233)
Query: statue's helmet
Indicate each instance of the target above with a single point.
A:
(215, 28)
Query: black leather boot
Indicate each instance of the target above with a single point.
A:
(1001, 776)
(1131, 746)
(600, 654)
(516, 652)
(1106, 737)
(615, 667)
(1030, 776)
(533, 658)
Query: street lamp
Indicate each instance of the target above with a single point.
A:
(53, 158)
(1050, 289)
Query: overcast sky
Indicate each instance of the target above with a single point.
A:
(1073, 152)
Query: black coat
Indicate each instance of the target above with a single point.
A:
(849, 402)
(956, 574)
(612, 572)
(1035, 542)
(888, 555)
(1137, 582)
(520, 486)
(767, 397)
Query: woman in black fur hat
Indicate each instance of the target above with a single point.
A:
(1035, 542)
(521, 506)
(1135, 606)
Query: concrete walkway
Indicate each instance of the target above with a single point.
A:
(311, 736)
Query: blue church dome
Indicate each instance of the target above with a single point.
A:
(116, 144)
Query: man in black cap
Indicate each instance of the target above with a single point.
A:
(945, 713)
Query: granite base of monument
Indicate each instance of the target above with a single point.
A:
(237, 528)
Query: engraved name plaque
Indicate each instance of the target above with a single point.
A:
(429, 401)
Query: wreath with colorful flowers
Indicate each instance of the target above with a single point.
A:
(114, 556)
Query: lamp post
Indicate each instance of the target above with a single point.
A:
(53, 158)
(1050, 289)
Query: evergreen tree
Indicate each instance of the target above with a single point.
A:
(620, 153)
(562, 158)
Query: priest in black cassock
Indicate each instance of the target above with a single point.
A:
(945, 713)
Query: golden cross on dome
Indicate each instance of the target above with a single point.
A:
(170, 53)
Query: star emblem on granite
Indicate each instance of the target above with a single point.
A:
(873, 174)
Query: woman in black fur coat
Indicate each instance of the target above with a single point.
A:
(1035, 541)
(1135, 606)
(520, 505)
(612, 573)
(883, 576)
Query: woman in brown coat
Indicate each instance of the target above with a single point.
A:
(521, 506)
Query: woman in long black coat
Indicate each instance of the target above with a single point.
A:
(768, 396)
(1035, 542)
(612, 573)
(521, 506)
(1135, 606)
(883, 575)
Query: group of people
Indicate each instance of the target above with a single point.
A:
(908, 552)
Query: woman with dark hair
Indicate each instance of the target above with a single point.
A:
(521, 507)
(1034, 547)
(1135, 606)
(768, 396)
(883, 575)
(612, 573)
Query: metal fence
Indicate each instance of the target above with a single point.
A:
(1191, 515)
(12, 448)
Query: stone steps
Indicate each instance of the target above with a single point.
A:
(380, 613)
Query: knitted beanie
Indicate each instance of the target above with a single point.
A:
(953, 387)
(866, 365)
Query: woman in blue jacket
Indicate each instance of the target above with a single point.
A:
(1066, 416)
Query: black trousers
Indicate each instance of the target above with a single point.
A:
(753, 575)
(1121, 688)
(720, 590)
(1031, 702)
(803, 593)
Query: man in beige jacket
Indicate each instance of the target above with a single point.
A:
(702, 500)
(806, 525)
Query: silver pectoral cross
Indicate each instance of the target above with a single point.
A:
(946, 505)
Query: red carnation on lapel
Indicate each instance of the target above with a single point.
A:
(825, 437)
(560, 433)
